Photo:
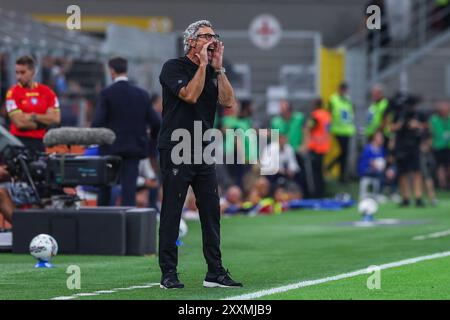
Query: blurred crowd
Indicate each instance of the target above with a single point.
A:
(405, 154)
(405, 151)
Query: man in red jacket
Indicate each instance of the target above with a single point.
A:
(32, 107)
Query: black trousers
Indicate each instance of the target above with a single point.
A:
(128, 177)
(128, 180)
(343, 142)
(176, 180)
(319, 181)
(302, 180)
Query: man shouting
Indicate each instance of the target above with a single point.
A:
(192, 86)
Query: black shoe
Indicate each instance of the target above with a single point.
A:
(170, 281)
(419, 203)
(404, 203)
(222, 280)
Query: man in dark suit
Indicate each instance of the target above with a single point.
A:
(126, 110)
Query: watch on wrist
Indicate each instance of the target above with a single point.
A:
(220, 71)
(33, 117)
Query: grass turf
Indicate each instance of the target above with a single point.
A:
(424, 280)
(263, 252)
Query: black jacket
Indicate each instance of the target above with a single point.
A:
(126, 110)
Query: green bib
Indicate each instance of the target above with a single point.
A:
(342, 116)
(375, 116)
(293, 128)
(440, 131)
(250, 144)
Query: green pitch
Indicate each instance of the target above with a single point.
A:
(265, 252)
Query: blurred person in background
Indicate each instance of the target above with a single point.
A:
(317, 144)
(287, 168)
(371, 167)
(290, 123)
(408, 126)
(239, 144)
(127, 111)
(232, 202)
(259, 198)
(375, 118)
(58, 73)
(391, 180)
(46, 71)
(427, 168)
(69, 110)
(439, 124)
(32, 107)
(146, 181)
(156, 101)
(342, 127)
(153, 155)
(14, 195)
(281, 199)
(7, 205)
(3, 89)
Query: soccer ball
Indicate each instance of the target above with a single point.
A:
(183, 228)
(368, 207)
(43, 247)
(380, 164)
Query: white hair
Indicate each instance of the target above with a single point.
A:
(191, 32)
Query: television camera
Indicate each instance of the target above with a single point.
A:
(43, 177)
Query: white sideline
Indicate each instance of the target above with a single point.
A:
(99, 292)
(433, 235)
(307, 283)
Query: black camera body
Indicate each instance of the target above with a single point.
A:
(407, 139)
(75, 170)
(403, 105)
(48, 175)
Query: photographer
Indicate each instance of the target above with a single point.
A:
(13, 195)
(408, 126)
(6, 204)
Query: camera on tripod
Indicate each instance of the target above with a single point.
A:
(46, 175)
(403, 105)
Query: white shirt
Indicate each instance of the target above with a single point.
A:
(145, 172)
(121, 78)
(286, 158)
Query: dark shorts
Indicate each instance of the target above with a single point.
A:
(408, 163)
(442, 157)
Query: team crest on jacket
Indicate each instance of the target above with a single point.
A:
(175, 171)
